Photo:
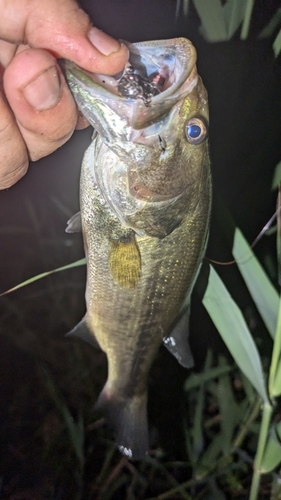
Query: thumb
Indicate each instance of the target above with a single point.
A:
(63, 29)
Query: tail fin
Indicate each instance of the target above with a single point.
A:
(127, 417)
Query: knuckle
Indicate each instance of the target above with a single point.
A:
(13, 154)
(12, 169)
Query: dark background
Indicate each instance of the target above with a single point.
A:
(243, 80)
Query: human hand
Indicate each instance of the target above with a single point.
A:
(37, 111)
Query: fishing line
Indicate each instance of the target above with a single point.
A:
(260, 235)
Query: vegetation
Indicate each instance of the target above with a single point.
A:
(225, 418)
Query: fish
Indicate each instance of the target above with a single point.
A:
(145, 199)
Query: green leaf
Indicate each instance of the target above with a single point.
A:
(276, 487)
(269, 29)
(233, 14)
(219, 22)
(275, 391)
(185, 7)
(196, 379)
(233, 329)
(272, 453)
(213, 21)
(277, 176)
(247, 19)
(277, 44)
(197, 430)
(75, 430)
(209, 460)
(250, 392)
(228, 411)
(260, 287)
(274, 384)
(80, 262)
(215, 491)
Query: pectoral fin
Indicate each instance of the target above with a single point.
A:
(125, 262)
(74, 225)
(177, 342)
(82, 331)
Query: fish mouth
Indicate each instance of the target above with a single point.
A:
(161, 73)
(152, 68)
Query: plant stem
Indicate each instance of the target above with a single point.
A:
(266, 418)
(244, 429)
(274, 385)
(247, 19)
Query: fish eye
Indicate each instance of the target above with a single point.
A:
(195, 131)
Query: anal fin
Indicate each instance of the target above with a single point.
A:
(177, 342)
(83, 332)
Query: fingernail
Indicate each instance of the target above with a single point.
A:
(103, 42)
(44, 91)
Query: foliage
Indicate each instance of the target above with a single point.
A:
(231, 416)
(221, 20)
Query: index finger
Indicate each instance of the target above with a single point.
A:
(63, 29)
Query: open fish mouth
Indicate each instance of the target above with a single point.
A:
(157, 75)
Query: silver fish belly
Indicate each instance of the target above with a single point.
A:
(145, 196)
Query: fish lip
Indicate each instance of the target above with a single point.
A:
(178, 59)
(172, 51)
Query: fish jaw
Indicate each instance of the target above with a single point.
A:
(173, 59)
(116, 118)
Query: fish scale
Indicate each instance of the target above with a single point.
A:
(145, 207)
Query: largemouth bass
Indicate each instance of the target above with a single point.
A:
(145, 196)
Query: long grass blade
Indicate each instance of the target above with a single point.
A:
(213, 21)
(196, 379)
(278, 234)
(277, 44)
(75, 430)
(178, 6)
(80, 262)
(247, 19)
(232, 327)
(274, 384)
(272, 453)
(185, 7)
(269, 29)
(197, 431)
(277, 176)
(260, 287)
(228, 410)
(210, 458)
(262, 441)
(234, 11)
